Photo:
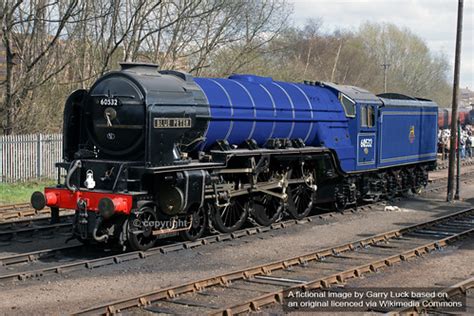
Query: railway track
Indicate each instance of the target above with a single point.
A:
(168, 245)
(444, 164)
(435, 187)
(30, 226)
(24, 210)
(464, 288)
(117, 258)
(250, 289)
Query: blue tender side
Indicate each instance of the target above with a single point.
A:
(408, 132)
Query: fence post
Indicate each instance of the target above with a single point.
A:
(39, 156)
(3, 158)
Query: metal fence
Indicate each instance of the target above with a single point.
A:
(28, 157)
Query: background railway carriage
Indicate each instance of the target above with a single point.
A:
(466, 116)
(446, 118)
(144, 145)
(441, 119)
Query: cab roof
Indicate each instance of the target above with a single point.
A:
(357, 94)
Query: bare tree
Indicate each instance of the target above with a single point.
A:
(32, 33)
(54, 47)
(255, 25)
(414, 70)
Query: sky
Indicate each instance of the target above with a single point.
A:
(432, 20)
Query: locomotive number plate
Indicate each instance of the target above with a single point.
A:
(109, 102)
(163, 122)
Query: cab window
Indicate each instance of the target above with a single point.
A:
(367, 116)
(363, 116)
(370, 116)
(347, 104)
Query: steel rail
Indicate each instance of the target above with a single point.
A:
(21, 210)
(26, 212)
(454, 290)
(32, 226)
(444, 165)
(340, 277)
(254, 304)
(35, 255)
(443, 185)
(134, 255)
(14, 207)
(5, 226)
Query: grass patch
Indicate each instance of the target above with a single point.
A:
(13, 193)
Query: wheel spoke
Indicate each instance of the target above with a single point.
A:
(198, 224)
(231, 217)
(267, 209)
(300, 198)
(140, 236)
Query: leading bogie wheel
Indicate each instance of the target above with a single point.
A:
(199, 220)
(140, 229)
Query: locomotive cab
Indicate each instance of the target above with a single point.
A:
(361, 109)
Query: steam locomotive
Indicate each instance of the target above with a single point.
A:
(146, 146)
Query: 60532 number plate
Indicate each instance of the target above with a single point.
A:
(165, 122)
(109, 102)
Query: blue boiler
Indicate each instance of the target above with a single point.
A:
(251, 107)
